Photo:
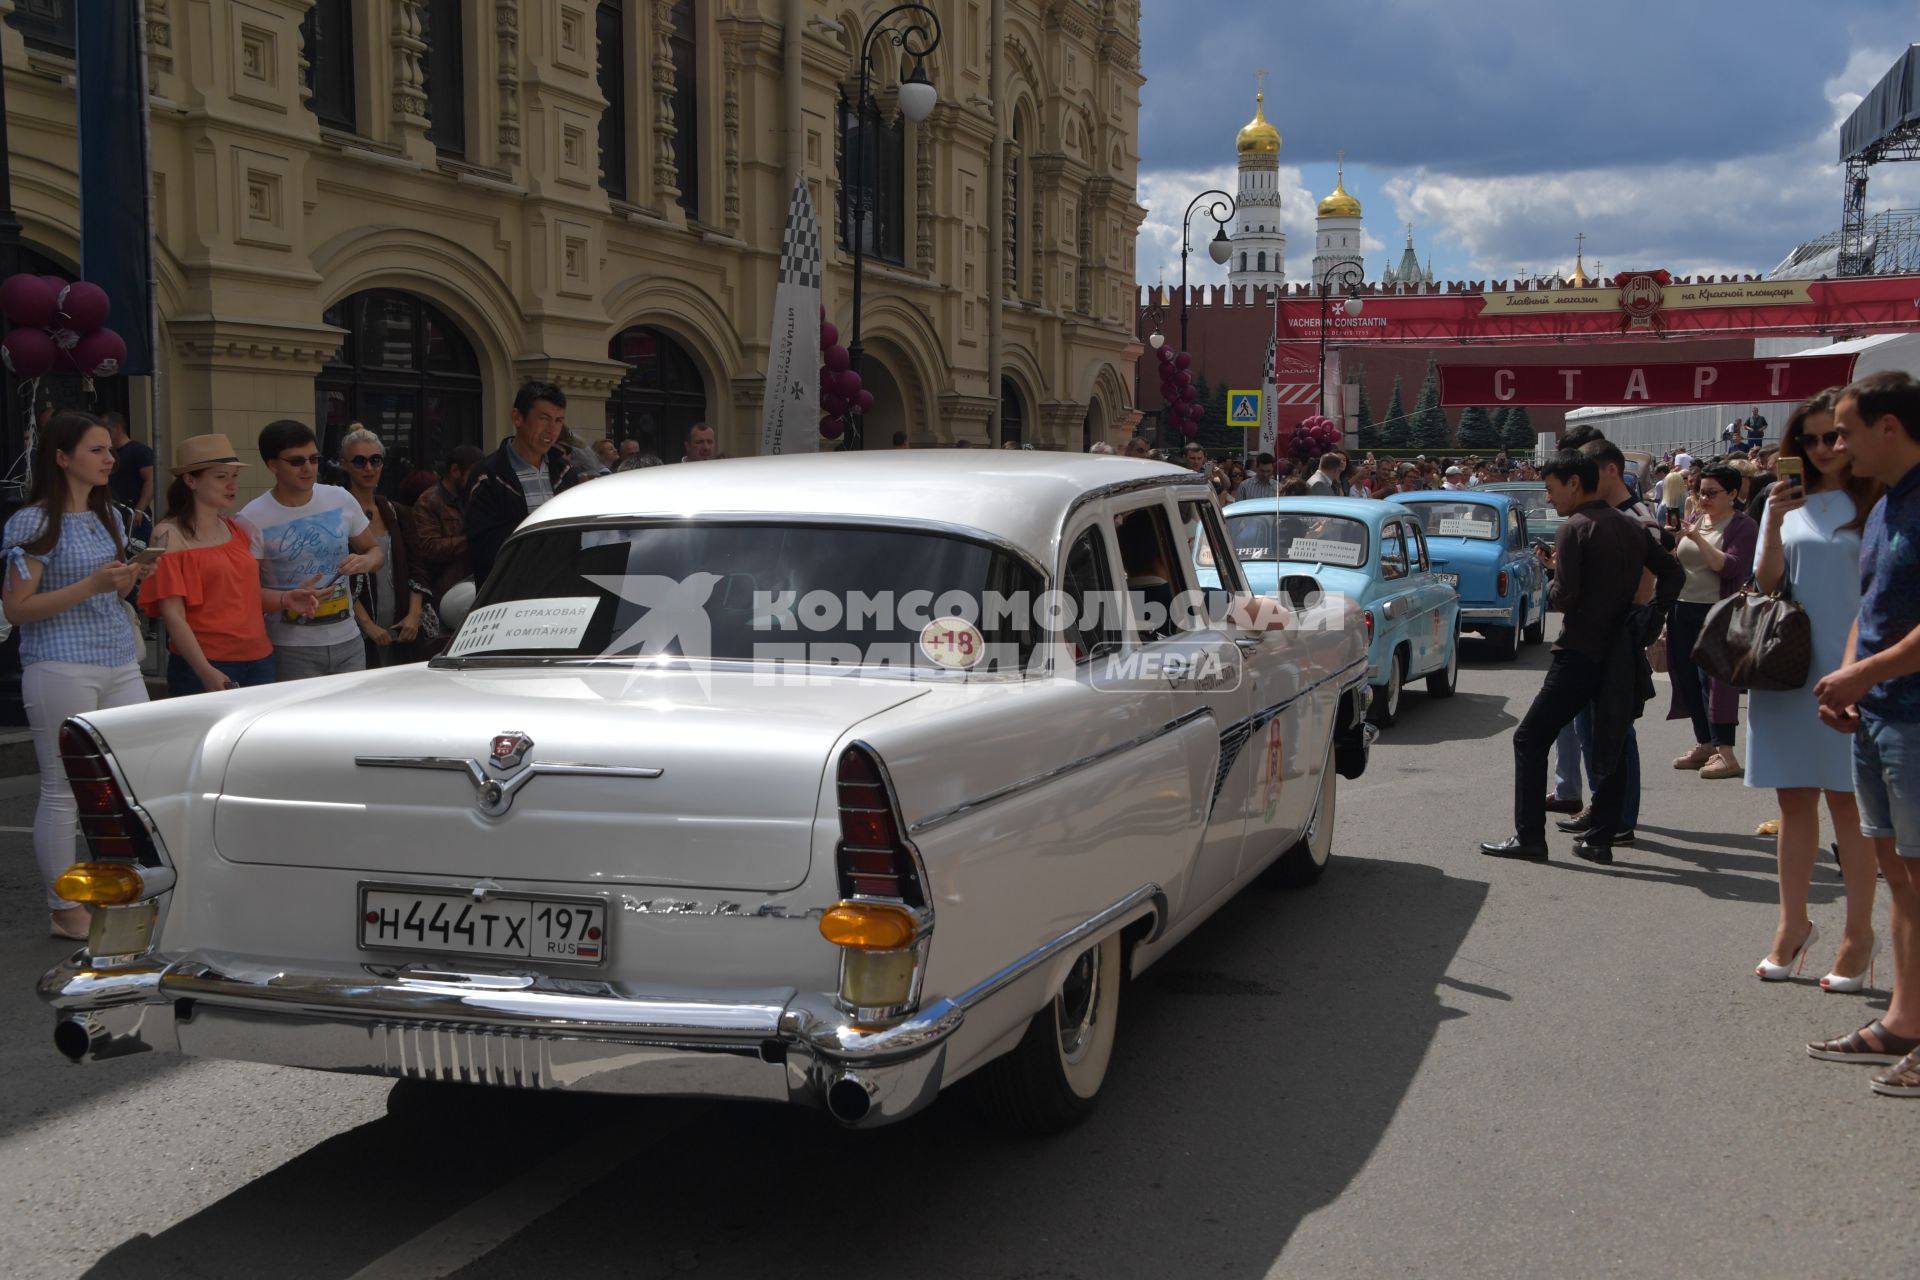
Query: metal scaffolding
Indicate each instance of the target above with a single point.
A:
(1886, 243)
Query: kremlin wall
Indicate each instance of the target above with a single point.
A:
(1228, 326)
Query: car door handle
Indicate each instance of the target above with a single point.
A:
(1249, 644)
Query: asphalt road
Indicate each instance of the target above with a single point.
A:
(1430, 1064)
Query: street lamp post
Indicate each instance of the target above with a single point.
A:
(1349, 276)
(1155, 338)
(1219, 248)
(918, 37)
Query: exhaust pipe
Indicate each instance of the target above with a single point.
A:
(848, 1099)
(72, 1037)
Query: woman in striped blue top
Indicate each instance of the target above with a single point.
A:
(66, 578)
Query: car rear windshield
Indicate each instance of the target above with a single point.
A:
(1459, 520)
(1301, 536)
(837, 595)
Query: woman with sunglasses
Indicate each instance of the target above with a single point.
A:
(1716, 549)
(1810, 545)
(387, 603)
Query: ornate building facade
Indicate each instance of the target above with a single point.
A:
(395, 211)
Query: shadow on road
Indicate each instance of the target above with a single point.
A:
(1259, 1066)
(1464, 717)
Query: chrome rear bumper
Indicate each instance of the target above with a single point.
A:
(1487, 614)
(520, 1031)
(536, 1031)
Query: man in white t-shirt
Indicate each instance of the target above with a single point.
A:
(311, 535)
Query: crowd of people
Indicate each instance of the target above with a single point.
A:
(312, 578)
(1830, 520)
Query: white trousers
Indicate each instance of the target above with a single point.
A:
(53, 691)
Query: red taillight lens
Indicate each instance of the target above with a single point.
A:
(874, 861)
(1369, 626)
(1503, 582)
(107, 819)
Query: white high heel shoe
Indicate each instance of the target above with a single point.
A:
(1845, 986)
(1767, 971)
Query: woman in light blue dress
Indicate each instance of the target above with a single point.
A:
(1811, 543)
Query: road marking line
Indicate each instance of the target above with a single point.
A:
(18, 830)
(465, 1237)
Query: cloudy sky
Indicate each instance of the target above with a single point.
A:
(1696, 135)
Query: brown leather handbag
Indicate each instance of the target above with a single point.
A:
(1754, 641)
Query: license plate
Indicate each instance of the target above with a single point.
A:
(567, 930)
(1451, 579)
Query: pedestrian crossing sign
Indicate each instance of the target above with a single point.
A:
(1243, 408)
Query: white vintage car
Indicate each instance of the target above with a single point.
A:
(828, 779)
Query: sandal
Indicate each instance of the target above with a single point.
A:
(1871, 1043)
(1902, 1080)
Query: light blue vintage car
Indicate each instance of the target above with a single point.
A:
(1481, 543)
(1376, 554)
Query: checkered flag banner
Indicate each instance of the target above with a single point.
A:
(790, 411)
(1270, 403)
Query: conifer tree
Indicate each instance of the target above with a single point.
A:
(1477, 430)
(1395, 429)
(1519, 430)
(1430, 428)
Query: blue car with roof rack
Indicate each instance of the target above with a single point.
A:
(1481, 542)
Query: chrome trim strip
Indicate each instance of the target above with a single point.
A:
(495, 798)
(1185, 479)
(943, 816)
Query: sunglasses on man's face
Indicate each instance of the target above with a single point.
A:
(310, 460)
(369, 460)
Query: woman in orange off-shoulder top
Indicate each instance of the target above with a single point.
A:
(207, 586)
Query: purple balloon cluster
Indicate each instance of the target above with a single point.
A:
(1182, 398)
(840, 389)
(58, 328)
(1314, 436)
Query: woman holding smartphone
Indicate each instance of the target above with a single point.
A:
(1810, 545)
(206, 587)
(1716, 549)
(67, 579)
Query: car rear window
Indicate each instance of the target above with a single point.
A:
(1458, 520)
(750, 592)
(1300, 536)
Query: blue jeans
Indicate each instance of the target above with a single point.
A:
(181, 680)
(1574, 748)
(1886, 756)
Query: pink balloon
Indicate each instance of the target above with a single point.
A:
(832, 428)
(834, 403)
(1190, 430)
(1183, 361)
(100, 354)
(1167, 354)
(829, 336)
(1184, 377)
(864, 401)
(836, 358)
(1189, 393)
(29, 353)
(58, 283)
(85, 306)
(28, 301)
(849, 385)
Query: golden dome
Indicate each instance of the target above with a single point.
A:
(1339, 204)
(1259, 137)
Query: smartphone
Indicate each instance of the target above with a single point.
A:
(1673, 519)
(1792, 471)
(150, 557)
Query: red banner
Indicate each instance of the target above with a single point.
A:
(1296, 384)
(1647, 307)
(1570, 383)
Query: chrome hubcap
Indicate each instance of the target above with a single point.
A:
(1074, 1007)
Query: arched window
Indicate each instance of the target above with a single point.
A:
(875, 151)
(1013, 414)
(1014, 161)
(1261, 258)
(1243, 259)
(406, 373)
(662, 395)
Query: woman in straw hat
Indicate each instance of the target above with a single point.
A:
(207, 587)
